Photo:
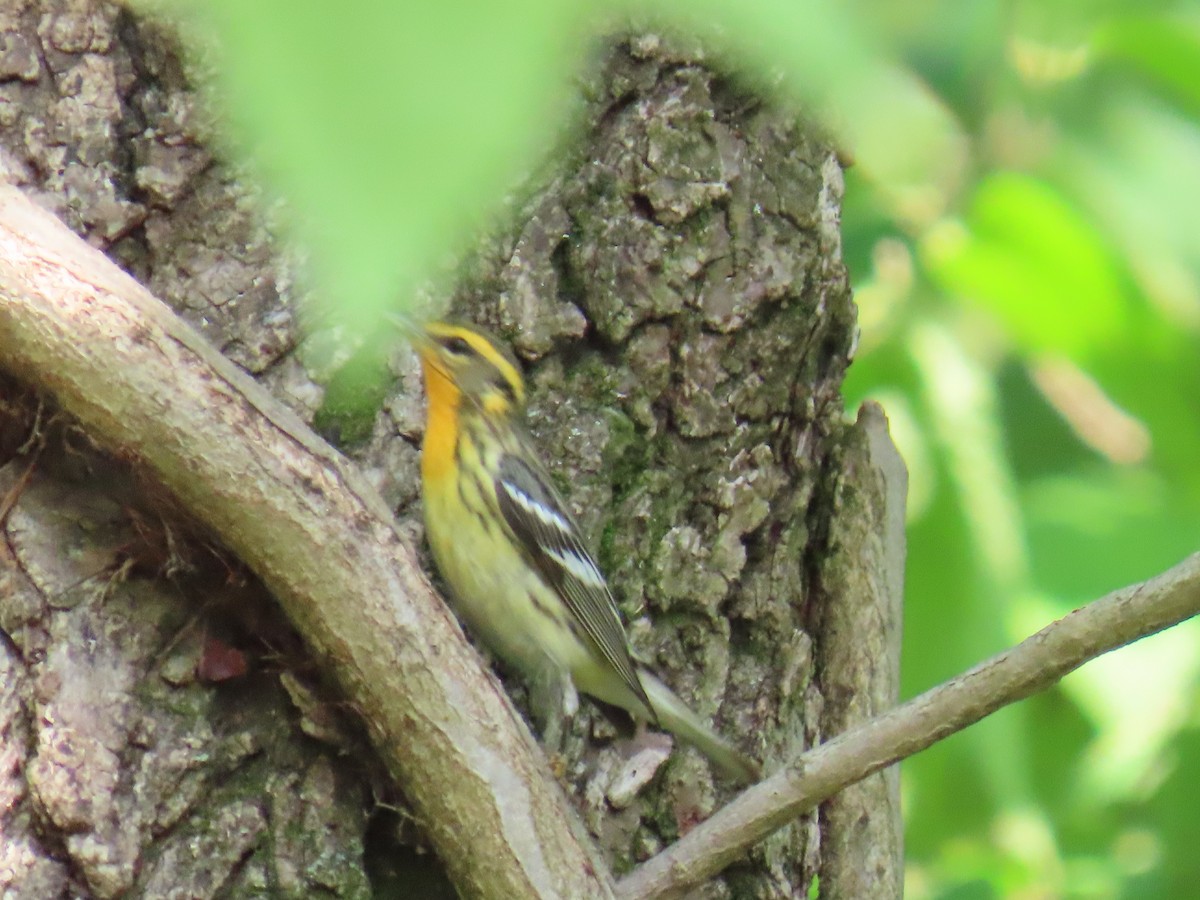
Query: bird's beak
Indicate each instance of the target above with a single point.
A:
(411, 329)
(406, 325)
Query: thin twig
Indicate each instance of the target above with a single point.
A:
(1113, 621)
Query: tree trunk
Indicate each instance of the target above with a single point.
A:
(678, 295)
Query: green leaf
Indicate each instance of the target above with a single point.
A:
(393, 128)
(1029, 257)
(1164, 50)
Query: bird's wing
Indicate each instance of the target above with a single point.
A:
(550, 538)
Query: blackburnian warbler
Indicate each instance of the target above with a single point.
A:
(512, 554)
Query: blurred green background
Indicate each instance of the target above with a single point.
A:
(1022, 226)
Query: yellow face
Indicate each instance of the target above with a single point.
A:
(463, 363)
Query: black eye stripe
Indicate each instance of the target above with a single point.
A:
(509, 392)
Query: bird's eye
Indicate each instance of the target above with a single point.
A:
(457, 346)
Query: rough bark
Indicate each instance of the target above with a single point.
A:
(126, 773)
(859, 656)
(677, 293)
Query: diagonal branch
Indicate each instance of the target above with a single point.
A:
(321, 539)
(1036, 663)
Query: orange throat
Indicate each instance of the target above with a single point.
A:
(441, 423)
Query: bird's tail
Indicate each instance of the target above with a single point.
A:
(674, 715)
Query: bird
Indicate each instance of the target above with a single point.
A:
(519, 572)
